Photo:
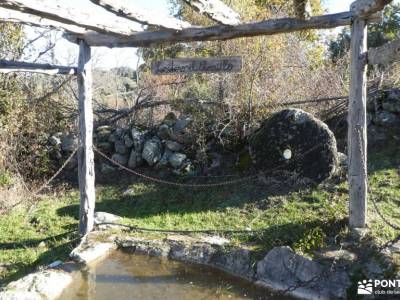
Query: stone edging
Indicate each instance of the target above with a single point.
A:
(278, 270)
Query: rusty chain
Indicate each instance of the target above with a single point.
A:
(193, 185)
(43, 186)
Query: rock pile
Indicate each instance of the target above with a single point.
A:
(383, 114)
(163, 147)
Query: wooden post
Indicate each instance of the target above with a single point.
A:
(357, 123)
(85, 152)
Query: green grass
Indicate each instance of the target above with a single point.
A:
(304, 220)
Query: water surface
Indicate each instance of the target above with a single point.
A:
(139, 277)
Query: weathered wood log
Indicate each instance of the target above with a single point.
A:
(58, 10)
(218, 32)
(85, 151)
(7, 66)
(8, 15)
(357, 125)
(129, 11)
(365, 8)
(216, 10)
(386, 54)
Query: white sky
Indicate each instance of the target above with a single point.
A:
(66, 52)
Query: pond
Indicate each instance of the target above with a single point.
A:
(132, 276)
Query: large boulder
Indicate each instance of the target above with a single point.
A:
(152, 151)
(281, 269)
(293, 140)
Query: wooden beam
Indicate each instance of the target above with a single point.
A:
(365, 8)
(386, 54)
(7, 66)
(59, 11)
(8, 15)
(218, 32)
(129, 11)
(85, 151)
(357, 125)
(216, 10)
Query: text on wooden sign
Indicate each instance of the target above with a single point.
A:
(197, 65)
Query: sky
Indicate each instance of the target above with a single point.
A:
(66, 52)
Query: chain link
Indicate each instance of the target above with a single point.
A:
(193, 185)
(42, 187)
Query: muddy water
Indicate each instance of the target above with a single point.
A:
(131, 276)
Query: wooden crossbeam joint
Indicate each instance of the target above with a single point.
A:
(366, 8)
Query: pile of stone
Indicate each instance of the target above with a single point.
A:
(383, 114)
(160, 147)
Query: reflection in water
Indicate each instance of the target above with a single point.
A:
(134, 277)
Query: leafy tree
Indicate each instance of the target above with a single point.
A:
(378, 34)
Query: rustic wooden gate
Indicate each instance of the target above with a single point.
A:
(117, 31)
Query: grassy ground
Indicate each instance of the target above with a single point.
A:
(305, 220)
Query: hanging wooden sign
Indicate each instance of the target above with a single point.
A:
(197, 65)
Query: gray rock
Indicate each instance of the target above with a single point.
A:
(54, 140)
(119, 132)
(107, 169)
(281, 268)
(128, 141)
(173, 146)
(138, 139)
(120, 147)
(69, 142)
(181, 124)
(121, 159)
(386, 119)
(312, 146)
(237, 261)
(112, 138)
(170, 119)
(104, 127)
(133, 159)
(152, 151)
(103, 135)
(55, 264)
(164, 132)
(182, 138)
(89, 251)
(164, 161)
(103, 217)
(176, 160)
(47, 284)
(105, 146)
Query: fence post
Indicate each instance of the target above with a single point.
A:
(357, 125)
(85, 151)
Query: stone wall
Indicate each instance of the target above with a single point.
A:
(165, 146)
